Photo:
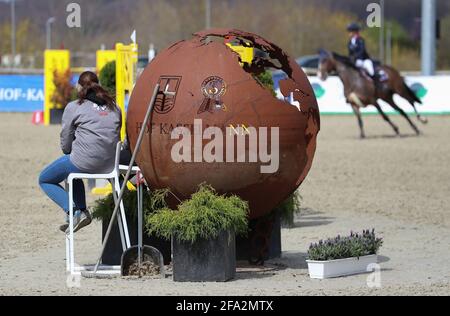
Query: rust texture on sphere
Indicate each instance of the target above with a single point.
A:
(210, 84)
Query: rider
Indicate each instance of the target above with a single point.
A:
(357, 50)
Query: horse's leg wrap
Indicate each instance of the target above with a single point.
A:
(353, 97)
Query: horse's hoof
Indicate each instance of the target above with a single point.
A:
(397, 132)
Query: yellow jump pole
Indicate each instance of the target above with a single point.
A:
(103, 57)
(54, 61)
(126, 57)
(126, 60)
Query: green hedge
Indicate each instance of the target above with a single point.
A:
(203, 216)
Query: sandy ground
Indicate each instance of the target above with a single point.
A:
(398, 185)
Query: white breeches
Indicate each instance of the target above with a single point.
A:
(366, 64)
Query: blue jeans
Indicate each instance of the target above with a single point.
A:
(55, 173)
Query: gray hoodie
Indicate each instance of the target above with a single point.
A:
(90, 133)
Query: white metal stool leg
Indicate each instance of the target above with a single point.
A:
(67, 253)
(119, 221)
(66, 185)
(122, 214)
(71, 241)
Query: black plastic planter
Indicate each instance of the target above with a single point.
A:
(113, 251)
(246, 251)
(205, 260)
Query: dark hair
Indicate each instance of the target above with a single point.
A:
(89, 83)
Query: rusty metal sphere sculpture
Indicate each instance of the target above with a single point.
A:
(207, 86)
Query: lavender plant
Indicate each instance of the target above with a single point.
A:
(355, 245)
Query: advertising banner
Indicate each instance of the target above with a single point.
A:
(25, 93)
(21, 93)
(432, 91)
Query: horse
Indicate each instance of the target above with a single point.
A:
(361, 91)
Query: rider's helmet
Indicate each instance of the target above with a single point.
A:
(353, 27)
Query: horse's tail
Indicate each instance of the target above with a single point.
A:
(411, 94)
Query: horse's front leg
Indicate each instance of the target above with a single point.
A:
(357, 112)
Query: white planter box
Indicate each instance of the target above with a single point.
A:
(341, 267)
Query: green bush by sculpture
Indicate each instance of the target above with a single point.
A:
(204, 216)
(289, 208)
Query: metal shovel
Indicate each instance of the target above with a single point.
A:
(140, 252)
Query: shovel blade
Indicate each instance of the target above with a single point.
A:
(130, 257)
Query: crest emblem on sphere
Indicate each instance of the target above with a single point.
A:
(165, 102)
(213, 89)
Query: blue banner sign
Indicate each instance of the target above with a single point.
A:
(21, 93)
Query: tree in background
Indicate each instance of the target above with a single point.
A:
(443, 58)
(107, 77)
(65, 92)
(26, 39)
(405, 52)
